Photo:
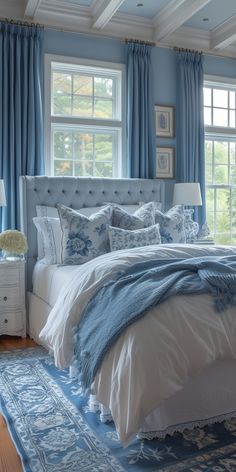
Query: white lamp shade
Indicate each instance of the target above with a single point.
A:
(187, 194)
(2, 194)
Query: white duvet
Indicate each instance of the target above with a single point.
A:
(156, 355)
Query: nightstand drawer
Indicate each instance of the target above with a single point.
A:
(11, 323)
(9, 297)
(8, 275)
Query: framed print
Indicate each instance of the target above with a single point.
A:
(165, 168)
(164, 121)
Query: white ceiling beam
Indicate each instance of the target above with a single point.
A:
(103, 11)
(224, 35)
(174, 15)
(31, 8)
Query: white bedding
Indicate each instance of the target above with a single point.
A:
(156, 355)
(49, 280)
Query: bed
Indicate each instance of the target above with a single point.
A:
(203, 388)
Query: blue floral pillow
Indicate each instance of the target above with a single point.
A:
(83, 238)
(172, 225)
(142, 218)
(127, 239)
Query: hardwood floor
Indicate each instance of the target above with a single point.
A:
(9, 459)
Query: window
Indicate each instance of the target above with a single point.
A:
(220, 159)
(84, 124)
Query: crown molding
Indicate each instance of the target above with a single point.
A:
(196, 39)
(56, 14)
(188, 38)
(79, 19)
(224, 35)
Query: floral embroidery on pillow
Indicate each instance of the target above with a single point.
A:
(172, 225)
(127, 239)
(142, 218)
(83, 238)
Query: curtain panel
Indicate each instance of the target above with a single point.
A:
(190, 125)
(21, 117)
(140, 112)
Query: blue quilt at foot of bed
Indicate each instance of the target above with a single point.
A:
(126, 299)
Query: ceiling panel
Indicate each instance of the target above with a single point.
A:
(149, 9)
(217, 11)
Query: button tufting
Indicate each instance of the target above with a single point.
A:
(48, 191)
(90, 191)
(77, 191)
(140, 191)
(63, 191)
(35, 190)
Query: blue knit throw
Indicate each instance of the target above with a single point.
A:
(123, 301)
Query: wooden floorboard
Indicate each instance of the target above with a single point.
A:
(9, 459)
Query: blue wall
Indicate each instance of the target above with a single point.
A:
(164, 68)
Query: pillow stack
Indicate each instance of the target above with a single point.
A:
(68, 236)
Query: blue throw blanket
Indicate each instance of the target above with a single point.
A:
(123, 301)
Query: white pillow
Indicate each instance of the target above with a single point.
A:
(127, 239)
(50, 233)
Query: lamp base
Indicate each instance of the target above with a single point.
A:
(191, 227)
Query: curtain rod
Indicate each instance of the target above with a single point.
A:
(139, 41)
(186, 50)
(11, 21)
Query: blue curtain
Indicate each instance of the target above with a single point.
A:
(21, 118)
(140, 112)
(190, 125)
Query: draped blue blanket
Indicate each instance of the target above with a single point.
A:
(123, 301)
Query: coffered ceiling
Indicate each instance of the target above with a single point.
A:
(198, 24)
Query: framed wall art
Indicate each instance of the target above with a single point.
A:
(165, 165)
(165, 121)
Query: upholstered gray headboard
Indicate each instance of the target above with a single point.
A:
(77, 192)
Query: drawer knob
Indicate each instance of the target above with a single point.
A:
(5, 299)
(6, 320)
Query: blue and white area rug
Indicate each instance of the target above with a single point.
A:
(53, 430)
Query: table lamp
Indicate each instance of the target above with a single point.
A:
(188, 194)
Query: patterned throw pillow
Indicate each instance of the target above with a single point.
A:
(127, 239)
(172, 225)
(83, 238)
(142, 218)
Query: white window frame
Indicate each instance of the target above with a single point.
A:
(119, 163)
(216, 133)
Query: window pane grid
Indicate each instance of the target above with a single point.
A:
(84, 152)
(64, 97)
(221, 190)
(85, 119)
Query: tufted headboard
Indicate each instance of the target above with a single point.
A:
(77, 192)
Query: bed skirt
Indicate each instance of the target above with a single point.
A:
(209, 396)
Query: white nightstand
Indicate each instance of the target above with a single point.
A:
(12, 298)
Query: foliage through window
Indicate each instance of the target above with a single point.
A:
(220, 160)
(84, 119)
